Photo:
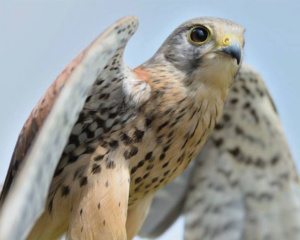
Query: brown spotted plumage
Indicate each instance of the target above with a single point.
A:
(138, 130)
(243, 185)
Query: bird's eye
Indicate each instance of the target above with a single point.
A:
(199, 35)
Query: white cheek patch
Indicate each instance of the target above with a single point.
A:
(210, 56)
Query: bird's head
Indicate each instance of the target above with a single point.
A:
(207, 51)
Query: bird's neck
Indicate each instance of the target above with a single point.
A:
(173, 86)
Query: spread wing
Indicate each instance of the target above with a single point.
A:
(244, 184)
(96, 82)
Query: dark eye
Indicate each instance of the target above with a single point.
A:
(199, 34)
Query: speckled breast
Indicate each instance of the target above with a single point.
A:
(161, 145)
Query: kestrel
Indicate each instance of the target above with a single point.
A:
(137, 131)
(243, 185)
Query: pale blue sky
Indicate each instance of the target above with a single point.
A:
(38, 38)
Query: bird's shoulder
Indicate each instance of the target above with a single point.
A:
(112, 101)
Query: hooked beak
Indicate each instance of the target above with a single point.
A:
(233, 50)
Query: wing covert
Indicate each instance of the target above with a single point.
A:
(97, 73)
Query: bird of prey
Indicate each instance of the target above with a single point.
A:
(243, 185)
(137, 131)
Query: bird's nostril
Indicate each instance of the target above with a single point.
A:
(226, 41)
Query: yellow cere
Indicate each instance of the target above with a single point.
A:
(226, 40)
